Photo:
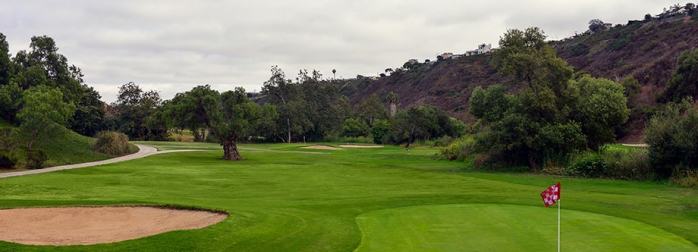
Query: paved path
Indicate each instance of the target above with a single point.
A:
(143, 151)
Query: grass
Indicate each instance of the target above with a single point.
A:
(283, 198)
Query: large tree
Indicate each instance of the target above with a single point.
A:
(287, 97)
(554, 115)
(372, 109)
(134, 106)
(43, 109)
(228, 116)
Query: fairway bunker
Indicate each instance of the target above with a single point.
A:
(361, 146)
(95, 225)
(321, 147)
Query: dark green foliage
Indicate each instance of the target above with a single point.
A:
(672, 137)
(134, 106)
(35, 159)
(422, 122)
(596, 25)
(372, 109)
(379, 131)
(589, 167)
(580, 49)
(355, 128)
(631, 87)
(229, 115)
(89, 114)
(649, 45)
(554, 116)
(684, 80)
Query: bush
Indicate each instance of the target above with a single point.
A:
(35, 159)
(673, 139)
(590, 166)
(627, 164)
(111, 143)
(459, 149)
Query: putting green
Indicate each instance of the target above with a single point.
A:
(508, 228)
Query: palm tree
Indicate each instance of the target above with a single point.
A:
(334, 73)
(393, 98)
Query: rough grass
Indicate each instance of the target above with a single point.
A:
(283, 198)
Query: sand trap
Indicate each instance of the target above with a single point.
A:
(361, 146)
(321, 147)
(94, 225)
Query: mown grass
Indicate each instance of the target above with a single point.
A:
(283, 198)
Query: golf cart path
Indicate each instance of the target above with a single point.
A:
(143, 151)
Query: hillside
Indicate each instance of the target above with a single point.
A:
(645, 50)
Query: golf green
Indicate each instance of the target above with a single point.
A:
(484, 227)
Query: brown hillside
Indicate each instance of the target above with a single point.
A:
(645, 50)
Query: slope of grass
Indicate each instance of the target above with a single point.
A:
(71, 148)
(283, 198)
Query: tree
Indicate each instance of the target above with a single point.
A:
(379, 131)
(596, 25)
(673, 139)
(89, 113)
(229, 115)
(372, 109)
(691, 8)
(421, 122)
(684, 80)
(355, 128)
(334, 74)
(41, 118)
(286, 96)
(393, 98)
(554, 115)
(600, 108)
(648, 17)
(134, 106)
(631, 87)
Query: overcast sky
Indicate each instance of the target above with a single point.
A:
(172, 46)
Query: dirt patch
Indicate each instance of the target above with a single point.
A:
(361, 146)
(321, 147)
(94, 225)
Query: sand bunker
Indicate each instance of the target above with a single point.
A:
(321, 147)
(361, 146)
(93, 225)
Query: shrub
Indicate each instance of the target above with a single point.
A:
(590, 166)
(35, 159)
(627, 164)
(686, 178)
(111, 143)
(458, 149)
(673, 139)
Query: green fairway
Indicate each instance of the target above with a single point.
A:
(483, 227)
(285, 198)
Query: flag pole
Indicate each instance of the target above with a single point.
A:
(558, 225)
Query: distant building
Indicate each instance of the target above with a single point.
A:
(481, 49)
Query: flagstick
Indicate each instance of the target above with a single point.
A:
(558, 225)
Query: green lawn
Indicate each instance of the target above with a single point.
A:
(284, 198)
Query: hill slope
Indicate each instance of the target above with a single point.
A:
(645, 50)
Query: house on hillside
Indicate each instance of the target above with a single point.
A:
(481, 49)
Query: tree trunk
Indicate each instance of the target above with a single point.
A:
(532, 161)
(393, 109)
(197, 135)
(230, 150)
(288, 123)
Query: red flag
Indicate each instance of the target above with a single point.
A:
(551, 195)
